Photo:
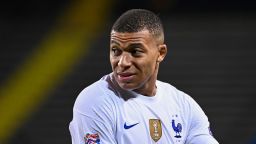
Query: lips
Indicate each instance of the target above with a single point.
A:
(125, 76)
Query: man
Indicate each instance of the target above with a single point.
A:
(129, 105)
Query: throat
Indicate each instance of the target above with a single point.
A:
(147, 91)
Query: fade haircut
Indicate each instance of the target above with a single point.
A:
(136, 20)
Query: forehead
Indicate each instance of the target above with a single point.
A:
(142, 36)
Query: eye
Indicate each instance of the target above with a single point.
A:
(136, 52)
(116, 51)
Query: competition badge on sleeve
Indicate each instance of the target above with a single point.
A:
(155, 129)
(92, 139)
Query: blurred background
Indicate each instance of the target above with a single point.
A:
(51, 50)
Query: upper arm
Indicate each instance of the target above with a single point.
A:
(199, 131)
(81, 125)
(93, 114)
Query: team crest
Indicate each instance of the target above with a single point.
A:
(155, 129)
(177, 128)
(92, 139)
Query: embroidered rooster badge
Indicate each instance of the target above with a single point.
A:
(177, 129)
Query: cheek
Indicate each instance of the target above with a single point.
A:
(149, 67)
(113, 63)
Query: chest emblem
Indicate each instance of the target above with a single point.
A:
(155, 129)
(177, 128)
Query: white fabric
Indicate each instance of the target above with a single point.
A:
(104, 108)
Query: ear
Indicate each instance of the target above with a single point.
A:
(162, 49)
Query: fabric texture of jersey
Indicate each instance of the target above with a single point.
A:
(125, 117)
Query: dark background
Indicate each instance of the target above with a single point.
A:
(211, 56)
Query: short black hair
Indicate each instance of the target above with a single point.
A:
(136, 20)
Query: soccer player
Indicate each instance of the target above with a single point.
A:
(129, 105)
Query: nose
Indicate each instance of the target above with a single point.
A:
(125, 60)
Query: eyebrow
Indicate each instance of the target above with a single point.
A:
(130, 46)
(114, 42)
(134, 45)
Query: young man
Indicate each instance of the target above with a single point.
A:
(129, 105)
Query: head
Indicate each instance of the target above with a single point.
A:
(136, 50)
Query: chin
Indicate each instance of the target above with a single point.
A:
(127, 86)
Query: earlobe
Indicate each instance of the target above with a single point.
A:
(162, 52)
(160, 58)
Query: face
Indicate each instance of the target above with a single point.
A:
(135, 58)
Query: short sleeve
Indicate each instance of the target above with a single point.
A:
(93, 117)
(199, 130)
(84, 128)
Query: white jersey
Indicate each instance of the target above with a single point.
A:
(104, 113)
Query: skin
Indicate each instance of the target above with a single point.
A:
(135, 59)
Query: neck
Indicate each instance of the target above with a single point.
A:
(146, 91)
(149, 87)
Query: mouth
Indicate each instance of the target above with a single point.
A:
(125, 76)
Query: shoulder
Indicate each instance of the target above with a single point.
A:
(181, 98)
(184, 102)
(94, 97)
(172, 91)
